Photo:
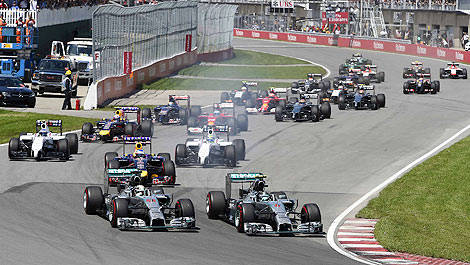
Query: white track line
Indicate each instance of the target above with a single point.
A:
(339, 218)
(5, 144)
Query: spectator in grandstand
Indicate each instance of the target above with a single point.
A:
(24, 4)
(14, 6)
(3, 5)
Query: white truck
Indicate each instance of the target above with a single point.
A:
(79, 52)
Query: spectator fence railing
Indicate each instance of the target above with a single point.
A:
(11, 16)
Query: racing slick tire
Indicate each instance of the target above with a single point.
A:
(169, 170)
(405, 88)
(441, 73)
(184, 208)
(310, 213)
(63, 147)
(13, 146)
(239, 148)
(87, 128)
(279, 195)
(251, 102)
(73, 142)
(183, 115)
(224, 96)
(119, 209)
(464, 72)
(109, 156)
(278, 113)
(146, 113)
(381, 77)
(438, 85)
(315, 113)
(146, 128)
(195, 111)
(232, 124)
(192, 121)
(282, 103)
(242, 122)
(325, 109)
(245, 214)
(167, 156)
(404, 72)
(341, 102)
(373, 103)
(92, 199)
(180, 153)
(230, 155)
(381, 100)
(215, 204)
(129, 129)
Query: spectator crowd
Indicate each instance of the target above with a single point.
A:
(47, 4)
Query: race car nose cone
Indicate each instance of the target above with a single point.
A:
(104, 132)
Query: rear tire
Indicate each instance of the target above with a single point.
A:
(169, 170)
(374, 104)
(63, 147)
(231, 155)
(325, 109)
(129, 129)
(180, 153)
(183, 115)
(147, 128)
(242, 121)
(73, 142)
(87, 128)
(441, 73)
(215, 204)
(146, 113)
(239, 148)
(119, 209)
(278, 113)
(381, 100)
(92, 199)
(315, 113)
(341, 102)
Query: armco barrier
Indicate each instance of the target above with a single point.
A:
(376, 45)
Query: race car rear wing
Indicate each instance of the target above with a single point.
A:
(312, 76)
(133, 140)
(423, 75)
(453, 64)
(123, 175)
(366, 87)
(186, 98)
(48, 123)
(130, 110)
(240, 178)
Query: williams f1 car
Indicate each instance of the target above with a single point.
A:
(210, 149)
(43, 144)
(258, 212)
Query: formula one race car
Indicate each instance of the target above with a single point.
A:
(210, 149)
(173, 112)
(355, 61)
(243, 95)
(258, 212)
(223, 114)
(135, 207)
(113, 130)
(362, 99)
(454, 71)
(421, 85)
(415, 69)
(308, 108)
(44, 144)
(268, 104)
(370, 72)
(341, 88)
(156, 169)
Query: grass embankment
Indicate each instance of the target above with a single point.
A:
(427, 211)
(13, 123)
(236, 71)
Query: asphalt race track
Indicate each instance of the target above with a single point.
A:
(332, 163)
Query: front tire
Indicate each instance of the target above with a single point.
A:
(239, 148)
(184, 208)
(310, 213)
(215, 204)
(245, 214)
(120, 209)
(92, 199)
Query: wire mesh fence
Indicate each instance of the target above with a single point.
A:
(215, 27)
(150, 32)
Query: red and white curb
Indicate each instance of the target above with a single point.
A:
(357, 236)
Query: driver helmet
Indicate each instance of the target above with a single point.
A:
(244, 88)
(43, 132)
(258, 185)
(302, 100)
(216, 112)
(361, 91)
(272, 95)
(211, 136)
(140, 190)
(171, 103)
(117, 114)
(139, 149)
(264, 196)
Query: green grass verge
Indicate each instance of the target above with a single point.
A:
(199, 84)
(427, 211)
(258, 58)
(13, 123)
(247, 73)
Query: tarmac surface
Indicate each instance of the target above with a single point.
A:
(332, 163)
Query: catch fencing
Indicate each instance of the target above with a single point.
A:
(150, 32)
(215, 27)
